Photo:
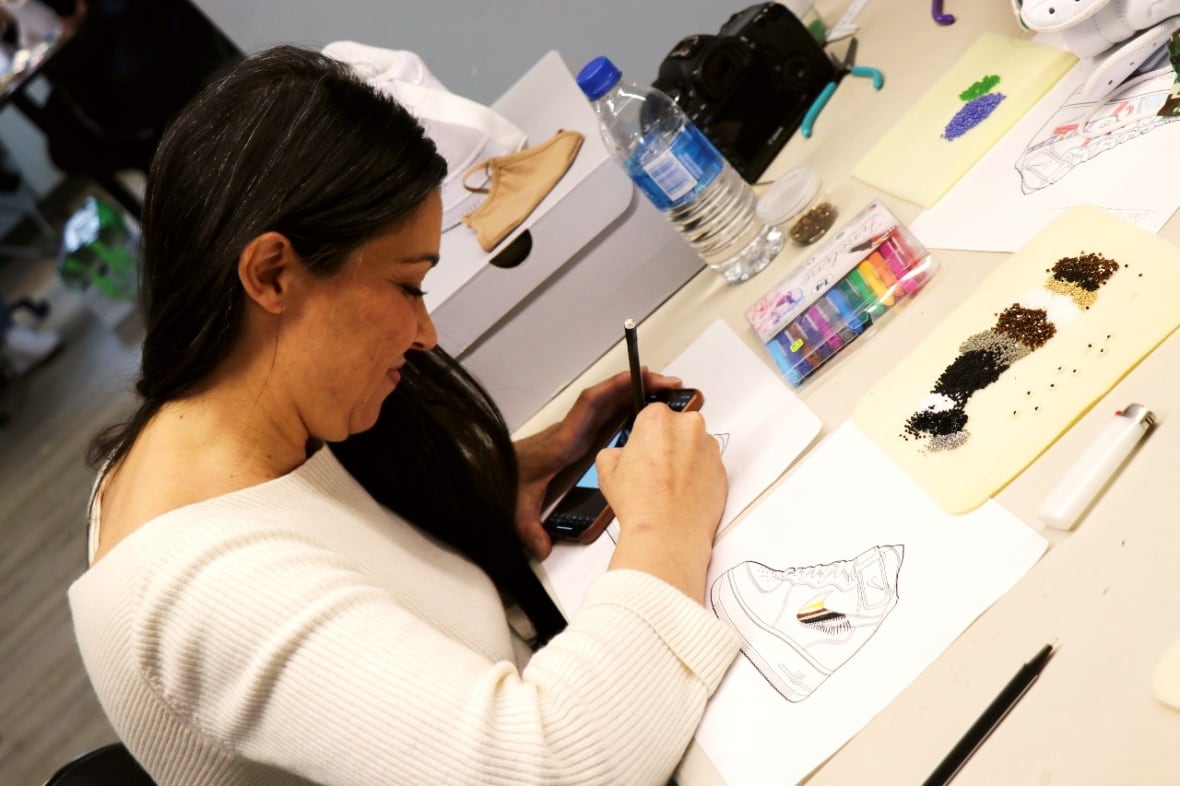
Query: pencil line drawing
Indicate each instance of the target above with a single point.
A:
(1081, 130)
(1020, 329)
(799, 625)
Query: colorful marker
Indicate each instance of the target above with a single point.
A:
(824, 326)
(783, 362)
(885, 272)
(855, 296)
(868, 298)
(835, 320)
(792, 341)
(869, 273)
(815, 338)
(900, 269)
(848, 316)
(913, 261)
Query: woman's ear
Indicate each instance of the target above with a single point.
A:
(266, 268)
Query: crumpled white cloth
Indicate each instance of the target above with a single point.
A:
(1090, 27)
(464, 131)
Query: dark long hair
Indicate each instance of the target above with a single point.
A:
(463, 488)
(293, 142)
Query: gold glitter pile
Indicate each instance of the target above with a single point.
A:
(812, 225)
(1079, 277)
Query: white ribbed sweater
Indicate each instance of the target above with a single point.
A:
(299, 632)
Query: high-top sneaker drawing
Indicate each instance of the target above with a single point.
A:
(799, 625)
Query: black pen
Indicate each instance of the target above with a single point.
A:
(637, 394)
(990, 719)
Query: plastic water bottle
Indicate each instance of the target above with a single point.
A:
(679, 170)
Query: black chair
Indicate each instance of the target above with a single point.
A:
(110, 765)
(115, 84)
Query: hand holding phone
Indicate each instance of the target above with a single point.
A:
(582, 513)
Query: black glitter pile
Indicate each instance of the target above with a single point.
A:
(969, 372)
(937, 424)
(981, 361)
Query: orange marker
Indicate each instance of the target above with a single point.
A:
(884, 272)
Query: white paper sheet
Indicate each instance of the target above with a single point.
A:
(1044, 166)
(762, 424)
(923, 576)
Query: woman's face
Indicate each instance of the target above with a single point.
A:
(350, 332)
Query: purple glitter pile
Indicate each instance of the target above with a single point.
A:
(972, 114)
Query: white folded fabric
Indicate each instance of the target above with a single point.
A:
(464, 131)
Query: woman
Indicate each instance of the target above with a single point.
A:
(263, 607)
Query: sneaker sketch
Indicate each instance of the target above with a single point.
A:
(799, 625)
(1081, 130)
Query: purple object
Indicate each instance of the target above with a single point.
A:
(972, 114)
(939, 16)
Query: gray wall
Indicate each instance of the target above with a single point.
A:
(478, 48)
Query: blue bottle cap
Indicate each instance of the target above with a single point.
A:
(597, 77)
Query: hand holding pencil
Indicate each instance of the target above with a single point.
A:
(668, 489)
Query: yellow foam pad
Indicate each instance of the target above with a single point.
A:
(914, 161)
(1014, 419)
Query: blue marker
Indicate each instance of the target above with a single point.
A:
(784, 364)
(790, 338)
(847, 313)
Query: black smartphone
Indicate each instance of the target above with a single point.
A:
(581, 513)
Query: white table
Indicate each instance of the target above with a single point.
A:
(1108, 593)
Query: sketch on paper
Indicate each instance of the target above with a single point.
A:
(1020, 329)
(1082, 130)
(798, 625)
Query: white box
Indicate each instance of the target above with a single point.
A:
(600, 253)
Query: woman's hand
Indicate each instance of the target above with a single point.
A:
(547, 452)
(667, 487)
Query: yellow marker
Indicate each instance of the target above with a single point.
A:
(880, 291)
(883, 272)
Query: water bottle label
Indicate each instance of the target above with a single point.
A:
(671, 175)
(689, 164)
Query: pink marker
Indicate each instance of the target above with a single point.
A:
(896, 266)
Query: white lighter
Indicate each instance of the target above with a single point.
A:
(1094, 468)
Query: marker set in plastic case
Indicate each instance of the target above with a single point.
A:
(871, 265)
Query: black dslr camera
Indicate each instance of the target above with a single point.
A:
(748, 87)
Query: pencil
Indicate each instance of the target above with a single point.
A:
(637, 394)
(990, 719)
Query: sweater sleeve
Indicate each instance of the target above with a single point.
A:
(280, 650)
